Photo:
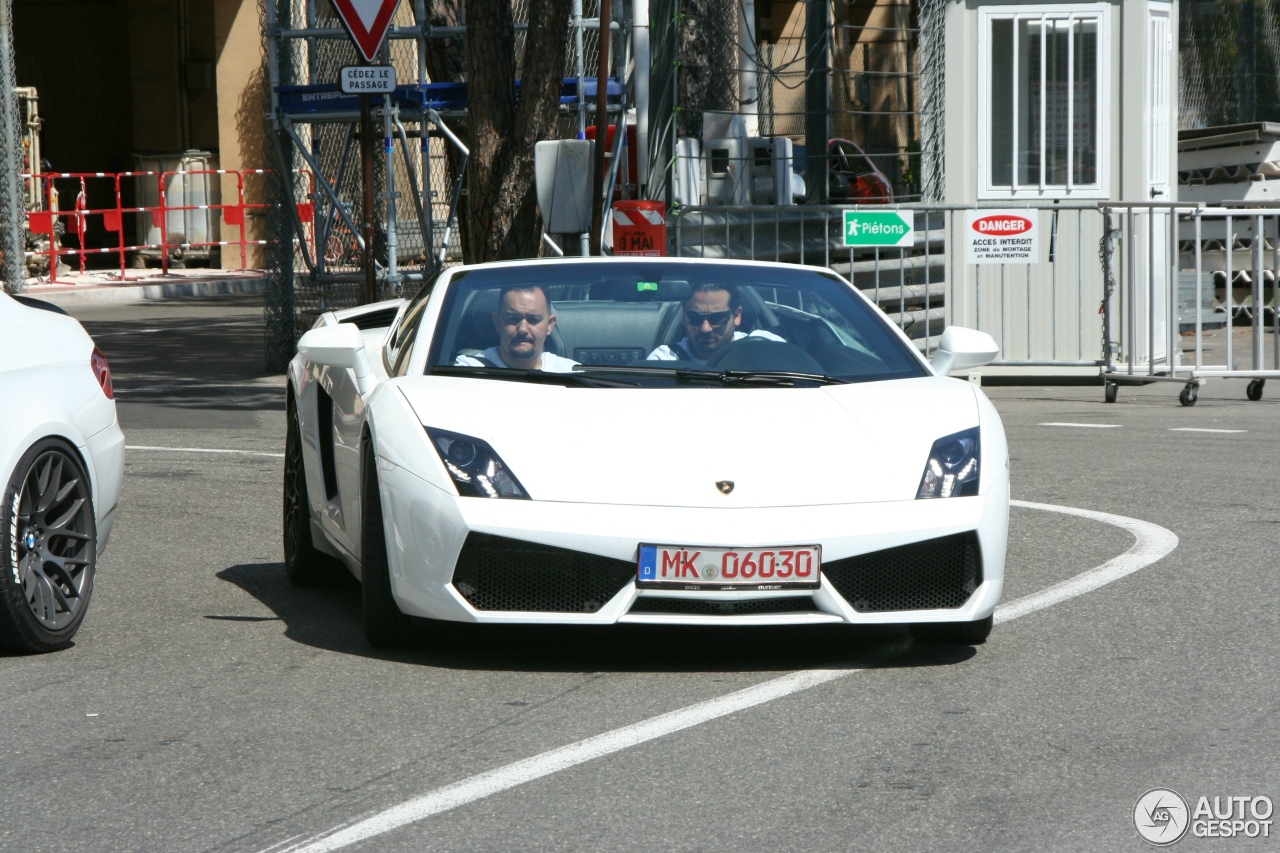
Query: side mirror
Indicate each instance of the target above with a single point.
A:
(340, 346)
(961, 348)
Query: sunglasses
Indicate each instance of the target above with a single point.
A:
(715, 318)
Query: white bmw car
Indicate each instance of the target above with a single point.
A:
(61, 468)
(656, 441)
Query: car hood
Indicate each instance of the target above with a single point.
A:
(673, 447)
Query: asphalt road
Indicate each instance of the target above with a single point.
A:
(207, 705)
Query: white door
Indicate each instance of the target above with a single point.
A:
(1158, 106)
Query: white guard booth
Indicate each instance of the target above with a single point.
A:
(1054, 110)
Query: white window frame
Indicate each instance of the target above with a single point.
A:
(1100, 12)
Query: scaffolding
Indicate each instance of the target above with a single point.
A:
(419, 175)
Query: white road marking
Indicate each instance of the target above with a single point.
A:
(1086, 426)
(1199, 429)
(202, 450)
(1153, 542)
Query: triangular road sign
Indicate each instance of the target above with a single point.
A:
(367, 21)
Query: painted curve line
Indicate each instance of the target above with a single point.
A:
(1152, 543)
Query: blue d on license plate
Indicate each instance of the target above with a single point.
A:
(687, 567)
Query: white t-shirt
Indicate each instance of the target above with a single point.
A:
(491, 358)
(683, 351)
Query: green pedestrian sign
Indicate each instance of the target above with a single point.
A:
(883, 228)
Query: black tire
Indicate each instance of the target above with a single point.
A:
(1111, 391)
(385, 627)
(953, 633)
(47, 575)
(1254, 391)
(304, 564)
(1188, 395)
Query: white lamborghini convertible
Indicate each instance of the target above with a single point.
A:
(661, 441)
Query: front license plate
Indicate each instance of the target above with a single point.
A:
(686, 567)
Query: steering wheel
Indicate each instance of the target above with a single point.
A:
(759, 353)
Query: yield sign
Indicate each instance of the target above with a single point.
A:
(367, 21)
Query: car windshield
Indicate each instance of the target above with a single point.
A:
(645, 324)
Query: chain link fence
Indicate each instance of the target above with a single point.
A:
(885, 80)
(13, 267)
(1230, 62)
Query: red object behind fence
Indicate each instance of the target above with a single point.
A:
(639, 228)
(76, 221)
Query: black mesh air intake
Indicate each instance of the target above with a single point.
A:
(935, 574)
(496, 573)
(724, 608)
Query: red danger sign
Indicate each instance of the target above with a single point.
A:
(1003, 226)
(1002, 236)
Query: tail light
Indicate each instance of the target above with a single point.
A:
(102, 372)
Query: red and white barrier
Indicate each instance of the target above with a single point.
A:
(76, 221)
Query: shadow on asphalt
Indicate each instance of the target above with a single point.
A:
(329, 618)
(188, 364)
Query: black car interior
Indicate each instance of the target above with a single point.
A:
(619, 322)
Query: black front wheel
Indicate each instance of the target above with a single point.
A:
(49, 542)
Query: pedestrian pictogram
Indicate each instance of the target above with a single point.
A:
(367, 21)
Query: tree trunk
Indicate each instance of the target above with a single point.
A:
(503, 214)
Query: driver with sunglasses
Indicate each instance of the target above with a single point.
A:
(712, 314)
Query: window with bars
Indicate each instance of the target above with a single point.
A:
(1043, 81)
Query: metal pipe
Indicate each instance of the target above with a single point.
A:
(579, 68)
(13, 269)
(1257, 292)
(640, 86)
(1151, 292)
(602, 124)
(328, 190)
(424, 225)
(1131, 350)
(546, 238)
(449, 134)
(453, 207)
(1231, 256)
(326, 224)
(389, 165)
(1199, 294)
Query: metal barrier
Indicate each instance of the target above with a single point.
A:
(1157, 291)
(1044, 313)
(54, 223)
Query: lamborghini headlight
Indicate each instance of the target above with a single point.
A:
(952, 469)
(477, 471)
